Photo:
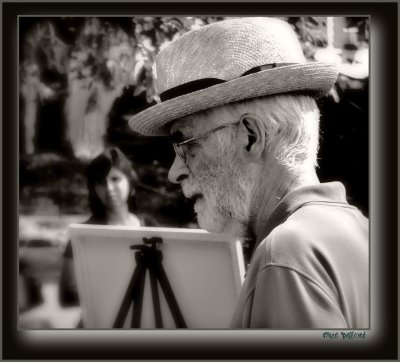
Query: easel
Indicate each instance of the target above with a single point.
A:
(148, 258)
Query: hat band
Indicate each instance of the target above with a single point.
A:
(204, 83)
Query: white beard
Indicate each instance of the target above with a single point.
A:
(226, 190)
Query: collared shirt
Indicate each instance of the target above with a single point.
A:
(311, 266)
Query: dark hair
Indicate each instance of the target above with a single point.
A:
(98, 170)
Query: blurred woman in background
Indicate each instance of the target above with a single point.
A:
(111, 183)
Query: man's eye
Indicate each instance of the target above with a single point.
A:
(191, 147)
(192, 143)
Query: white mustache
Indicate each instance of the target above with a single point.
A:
(189, 189)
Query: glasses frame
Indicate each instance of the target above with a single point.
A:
(178, 145)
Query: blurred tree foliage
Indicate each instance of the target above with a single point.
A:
(311, 32)
(113, 50)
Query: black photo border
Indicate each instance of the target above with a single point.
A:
(219, 344)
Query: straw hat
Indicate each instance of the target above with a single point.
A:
(226, 62)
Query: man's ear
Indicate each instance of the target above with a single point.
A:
(251, 136)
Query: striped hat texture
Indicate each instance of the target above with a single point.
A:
(226, 62)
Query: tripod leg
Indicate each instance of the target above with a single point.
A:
(129, 296)
(169, 295)
(138, 300)
(156, 299)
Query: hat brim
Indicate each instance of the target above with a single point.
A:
(314, 77)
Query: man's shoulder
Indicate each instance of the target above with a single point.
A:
(320, 220)
(288, 241)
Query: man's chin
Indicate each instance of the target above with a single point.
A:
(210, 226)
(207, 219)
(213, 223)
(210, 220)
(233, 231)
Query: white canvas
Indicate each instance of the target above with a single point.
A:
(205, 272)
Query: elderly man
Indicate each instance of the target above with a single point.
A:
(238, 102)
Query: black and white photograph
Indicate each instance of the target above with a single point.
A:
(195, 173)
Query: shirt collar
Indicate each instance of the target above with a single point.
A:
(296, 198)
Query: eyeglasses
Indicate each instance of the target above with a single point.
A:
(179, 147)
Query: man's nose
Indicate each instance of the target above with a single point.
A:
(178, 171)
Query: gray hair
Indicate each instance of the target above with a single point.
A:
(291, 125)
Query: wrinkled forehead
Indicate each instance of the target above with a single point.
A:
(189, 125)
(202, 121)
